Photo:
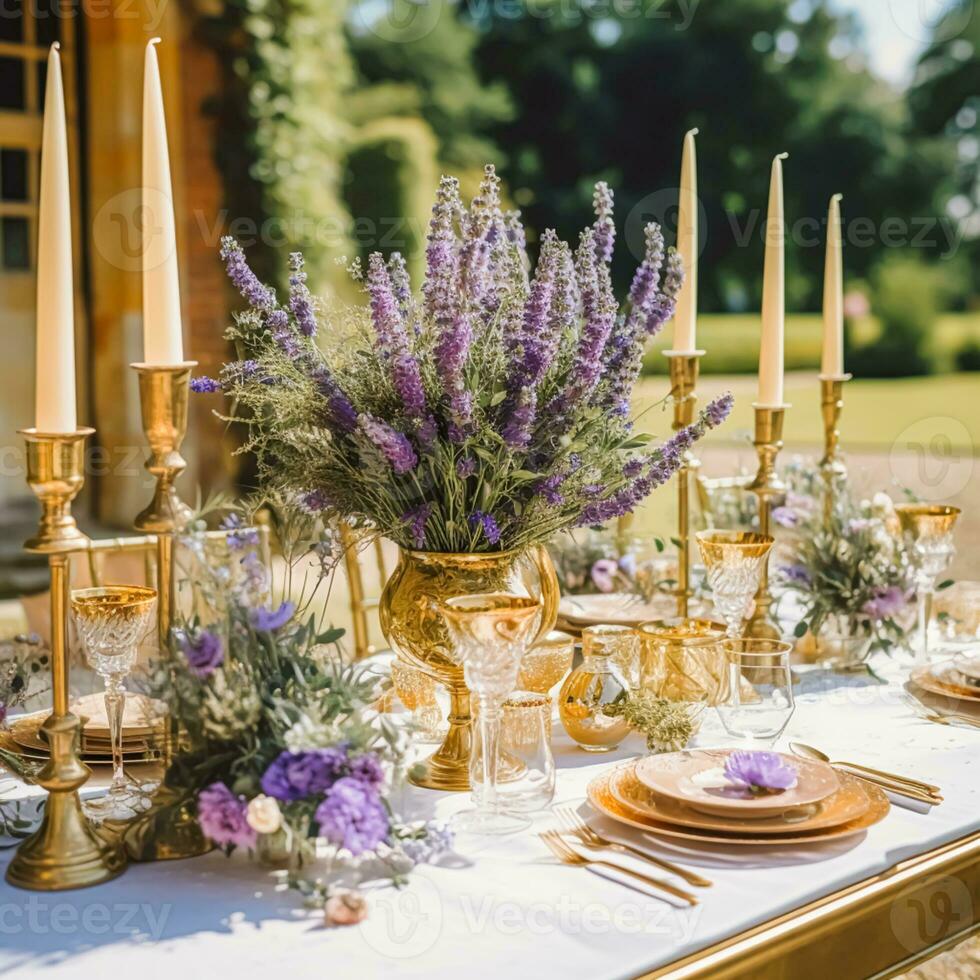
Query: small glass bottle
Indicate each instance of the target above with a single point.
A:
(596, 682)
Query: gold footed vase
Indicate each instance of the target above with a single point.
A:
(416, 631)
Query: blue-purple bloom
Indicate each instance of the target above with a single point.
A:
(465, 467)
(886, 602)
(604, 574)
(434, 840)
(269, 620)
(760, 772)
(352, 816)
(300, 301)
(298, 775)
(222, 816)
(259, 297)
(416, 518)
(797, 574)
(205, 385)
(785, 517)
(204, 651)
(488, 525)
(368, 769)
(240, 536)
(390, 443)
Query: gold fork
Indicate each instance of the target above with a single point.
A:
(567, 855)
(595, 841)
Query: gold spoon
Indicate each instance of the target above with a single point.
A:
(808, 751)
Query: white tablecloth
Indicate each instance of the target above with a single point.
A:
(504, 907)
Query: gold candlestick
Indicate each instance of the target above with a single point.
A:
(164, 392)
(770, 491)
(683, 381)
(64, 852)
(831, 465)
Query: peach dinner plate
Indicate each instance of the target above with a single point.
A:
(695, 777)
(942, 679)
(600, 795)
(849, 802)
(615, 608)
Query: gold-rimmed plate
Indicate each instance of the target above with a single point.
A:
(601, 797)
(849, 802)
(941, 679)
(614, 609)
(695, 778)
(25, 732)
(142, 716)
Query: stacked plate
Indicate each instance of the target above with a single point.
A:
(142, 729)
(685, 795)
(611, 608)
(957, 678)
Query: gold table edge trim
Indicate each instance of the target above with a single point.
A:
(750, 952)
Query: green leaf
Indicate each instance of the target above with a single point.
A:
(525, 475)
(801, 627)
(497, 398)
(944, 585)
(331, 635)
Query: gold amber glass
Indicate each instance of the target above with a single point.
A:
(111, 622)
(596, 682)
(413, 626)
(489, 634)
(620, 643)
(734, 561)
(682, 660)
(547, 662)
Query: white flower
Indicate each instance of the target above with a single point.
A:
(231, 704)
(263, 815)
(309, 734)
(882, 505)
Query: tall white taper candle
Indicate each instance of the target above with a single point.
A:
(773, 294)
(832, 359)
(54, 396)
(686, 315)
(162, 341)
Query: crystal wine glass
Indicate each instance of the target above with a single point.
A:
(417, 692)
(489, 634)
(733, 562)
(111, 621)
(760, 700)
(929, 528)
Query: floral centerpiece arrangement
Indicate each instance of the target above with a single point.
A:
(849, 566)
(280, 751)
(484, 413)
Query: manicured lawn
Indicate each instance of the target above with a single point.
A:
(732, 341)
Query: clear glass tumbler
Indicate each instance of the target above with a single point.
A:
(760, 689)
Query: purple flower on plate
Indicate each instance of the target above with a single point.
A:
(603, 574)
(353, 816)
(297, 775)
(886, 601)
(203, 650)
(269, 620)
(221, 815)
(205, 385)
(760, 772)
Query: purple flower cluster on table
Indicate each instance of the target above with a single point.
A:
(760, 772)
(203, 649)
(222, 816)
(351, 813)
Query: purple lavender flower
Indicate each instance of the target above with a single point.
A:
(269, 620)
(604, 227)
(298, 775)
(240, 536)
(368, 769)
(785, 517)
(465, 467)
(441, 256)
(221, 815)
(548, 488)
(886, 601)
(203, 650)
(315, 501)
(416, 518)
(604, 574)
(488, 525)
(205, 385)
(760, 772)
(480, 227)
(353, 816)
(797, 574)
(390, 443)
(244, 279)
(522, 409)
(400, 282)
(300, 301)
(719, 409)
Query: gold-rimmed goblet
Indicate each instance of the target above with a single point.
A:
(733, 562)
(489, 634)
(929, 530)
(111, 621)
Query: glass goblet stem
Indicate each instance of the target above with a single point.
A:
(489, 744)
(924, 597)
(115, 702)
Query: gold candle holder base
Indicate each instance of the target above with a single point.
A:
(770, 491)
(65, 851)
(684, 366)
(448, 768)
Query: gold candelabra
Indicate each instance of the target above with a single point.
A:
(65, 851)
(770, 491)
(831, 465)
(683, 381)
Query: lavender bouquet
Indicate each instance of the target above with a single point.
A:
(486, 412)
